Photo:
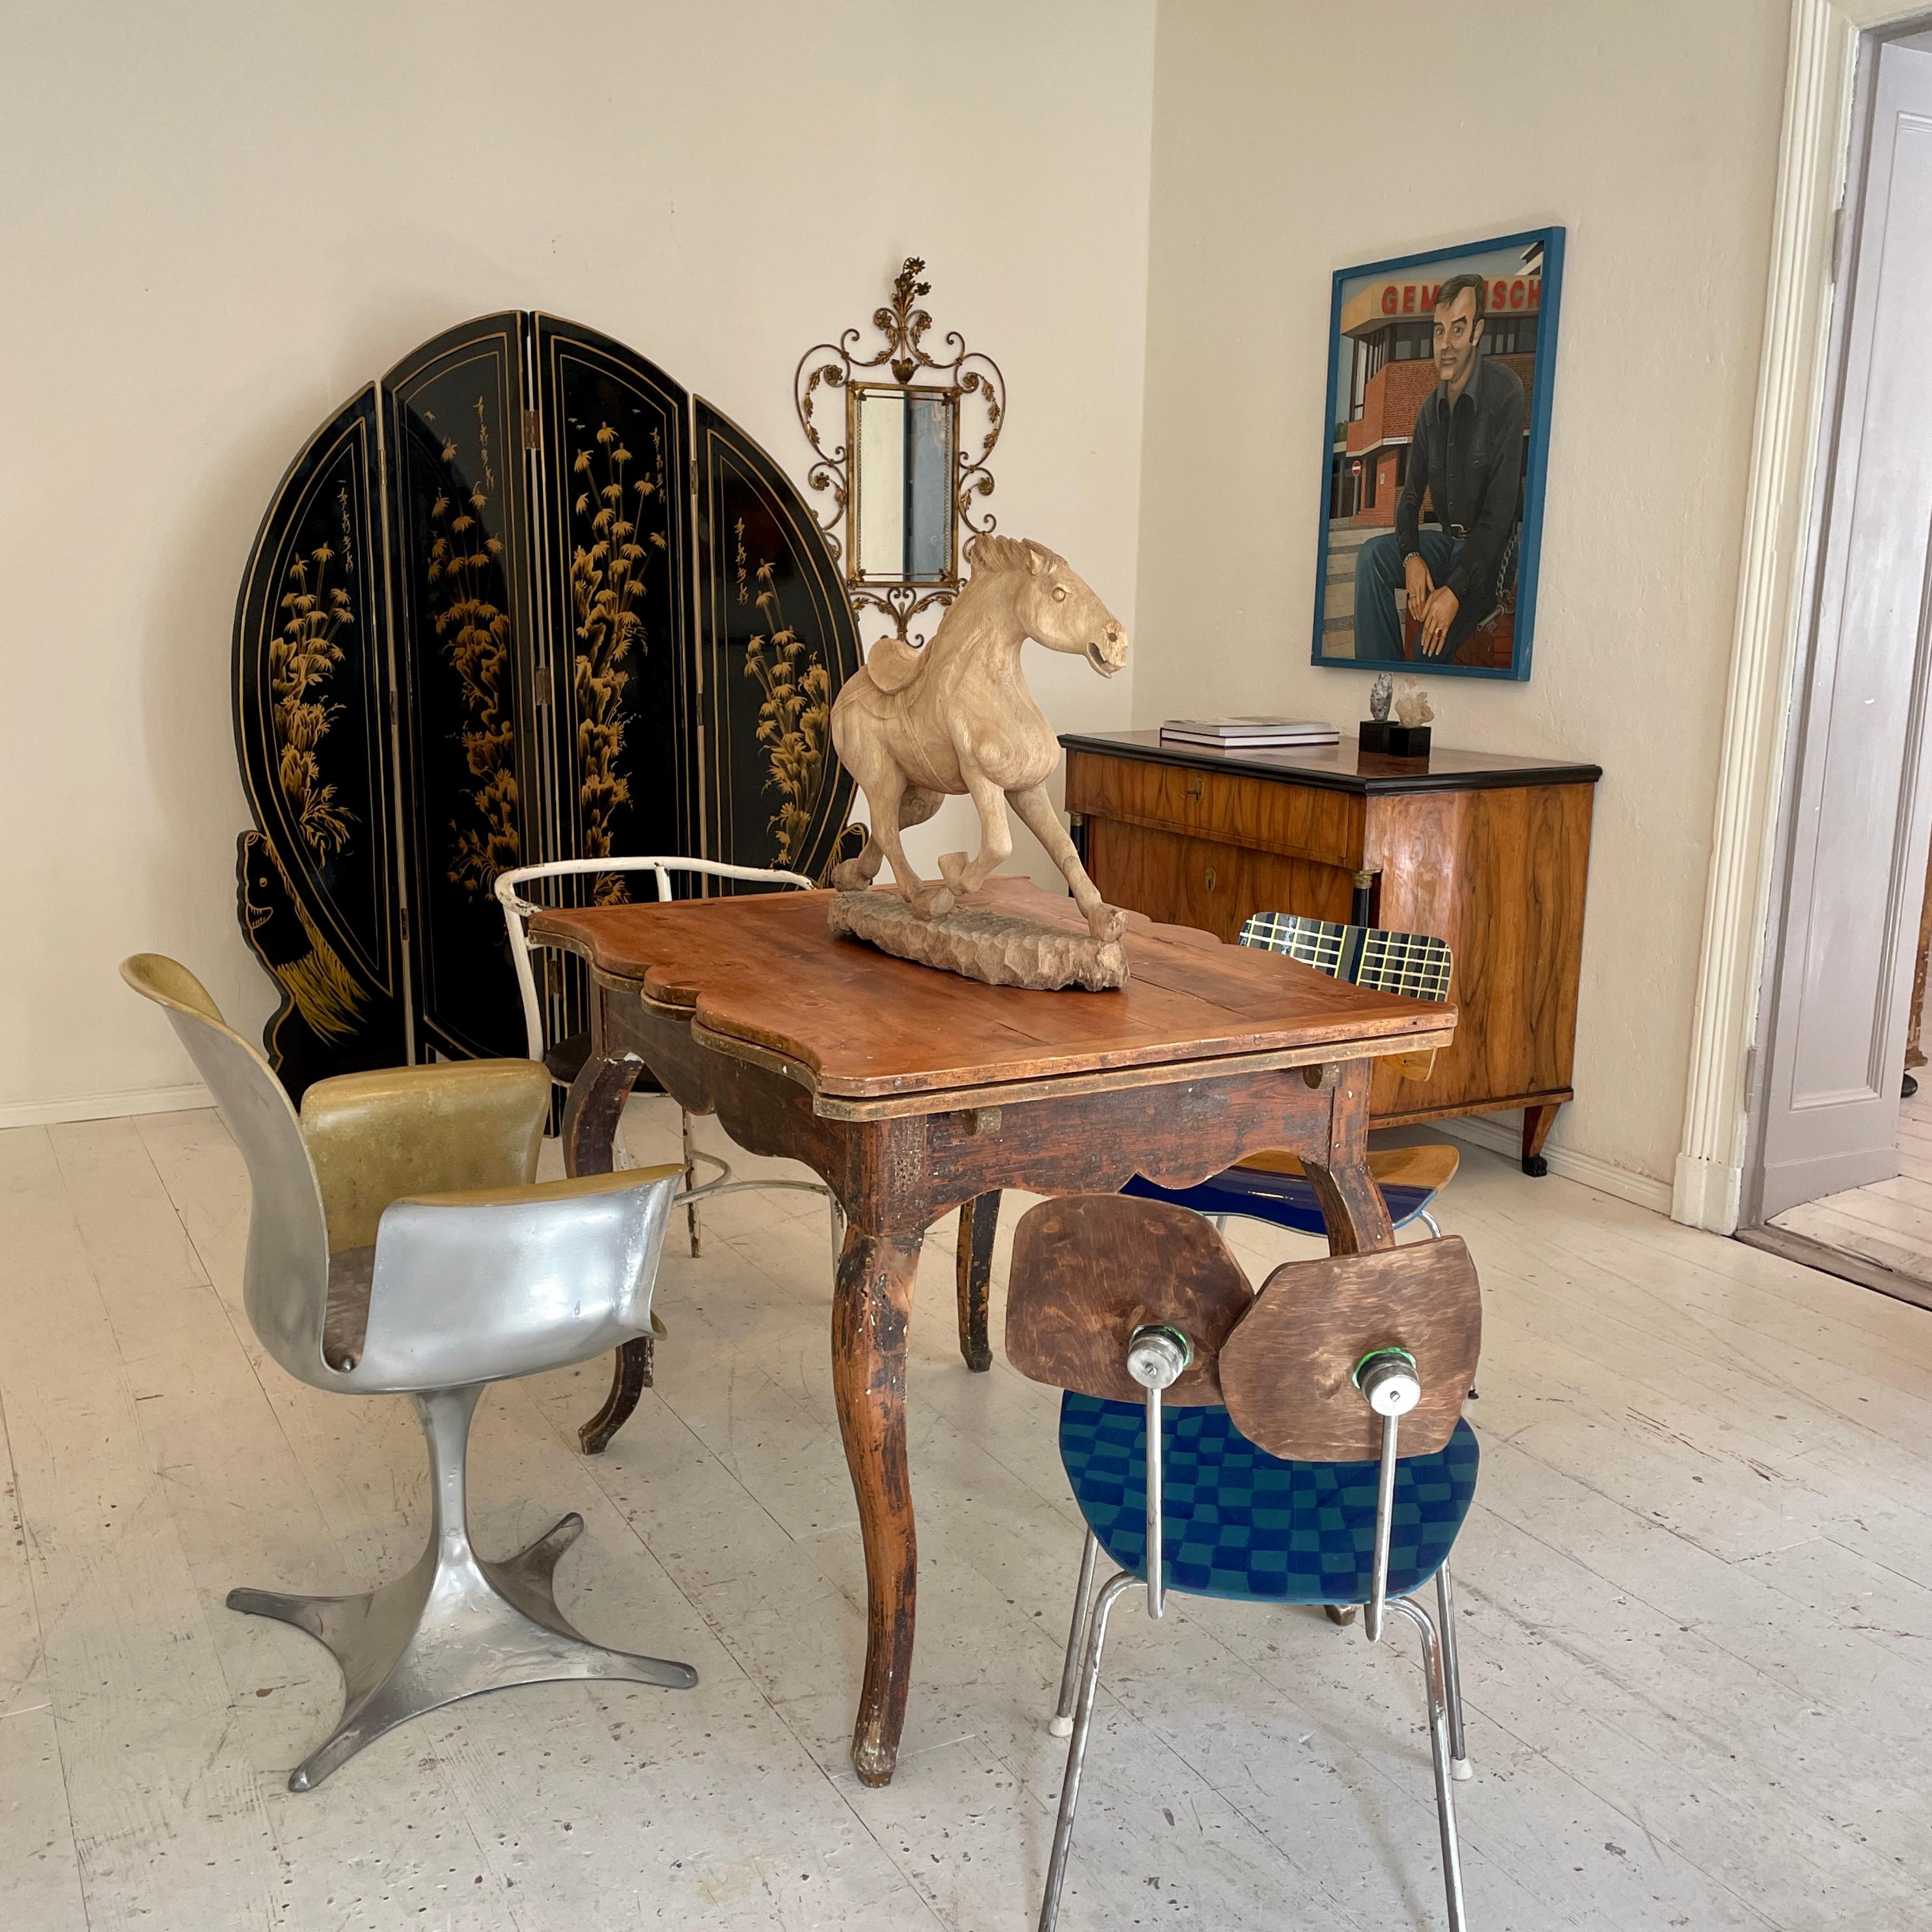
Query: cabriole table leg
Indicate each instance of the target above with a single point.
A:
(972, 1274)
(631, 1374)
(1351, 1203)
(590, 1117)
(870, 1311)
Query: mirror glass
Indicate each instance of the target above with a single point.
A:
(901, 510)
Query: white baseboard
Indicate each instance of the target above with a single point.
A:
(1502, 1133)
(104, 1106)
(1708, 1194)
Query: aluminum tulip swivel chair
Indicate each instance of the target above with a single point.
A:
(564, 1057)
(1305, 1446)
(397, 1246)
(1273, 1187)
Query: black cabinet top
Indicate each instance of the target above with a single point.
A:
(1343, 766)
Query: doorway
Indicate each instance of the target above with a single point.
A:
(1840, 1169)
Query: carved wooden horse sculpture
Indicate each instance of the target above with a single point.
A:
(916, 726)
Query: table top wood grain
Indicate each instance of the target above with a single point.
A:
(762, 977)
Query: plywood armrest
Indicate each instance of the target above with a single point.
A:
(377, 1137)
(1433, 1167)
(1271, 1163)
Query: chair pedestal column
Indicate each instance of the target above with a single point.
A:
(454, 1625)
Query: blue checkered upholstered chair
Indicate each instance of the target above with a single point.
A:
(1272, 1187)
(1303, 1445)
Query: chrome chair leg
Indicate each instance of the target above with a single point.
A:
(1452, 1674)
(690, 1181)
(1076, 1751)
(1428, 1219)
(453, 1626)
(1439, 1745)
(1062, 1725)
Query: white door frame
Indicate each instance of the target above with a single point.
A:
(1813, 152)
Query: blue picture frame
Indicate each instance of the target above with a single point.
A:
(1364, 472)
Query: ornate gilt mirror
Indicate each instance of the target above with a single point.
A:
(902, 439)
(906, 479)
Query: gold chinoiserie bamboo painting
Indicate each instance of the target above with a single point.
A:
(499, 612)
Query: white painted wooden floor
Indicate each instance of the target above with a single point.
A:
(1697, 1589)
(1889, 1222)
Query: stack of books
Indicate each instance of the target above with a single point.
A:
(1247, 734)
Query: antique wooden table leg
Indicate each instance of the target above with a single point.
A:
(870, 1310)
(596, 1104)
(1351, 1203)
(972, 1273)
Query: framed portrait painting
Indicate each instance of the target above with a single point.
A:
(1441, 367)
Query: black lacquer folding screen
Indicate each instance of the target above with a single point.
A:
(525, 599)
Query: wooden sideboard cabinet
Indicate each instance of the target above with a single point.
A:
(1488, 853)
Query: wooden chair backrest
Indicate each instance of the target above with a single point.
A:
(1089, 1269)
(1287, 1371)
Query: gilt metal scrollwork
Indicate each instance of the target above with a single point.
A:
(961, 377)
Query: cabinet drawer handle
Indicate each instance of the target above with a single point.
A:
(1211, 878)
(1194, 789)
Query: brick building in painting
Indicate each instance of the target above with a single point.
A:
(1388, 324)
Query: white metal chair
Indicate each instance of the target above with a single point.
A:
(564, 1057)
(398, 1244)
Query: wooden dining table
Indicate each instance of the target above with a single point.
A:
(913, 1092)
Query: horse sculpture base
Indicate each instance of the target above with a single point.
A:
(995, 947)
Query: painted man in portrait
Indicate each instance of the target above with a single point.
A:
(1466, 455)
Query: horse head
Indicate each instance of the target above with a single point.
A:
(1053, 606)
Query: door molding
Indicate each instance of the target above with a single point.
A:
(1813, 154)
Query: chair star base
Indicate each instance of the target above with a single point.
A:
(454, 1626)
(445, 1631)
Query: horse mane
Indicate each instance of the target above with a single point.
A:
(991, 552)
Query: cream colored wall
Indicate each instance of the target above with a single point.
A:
(219, 221)
(1291, 140)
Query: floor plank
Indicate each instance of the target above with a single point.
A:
(141, 1709)
(37, 1852)
(1888, 1222)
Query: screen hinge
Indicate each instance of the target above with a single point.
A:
(532, 429)
(546, 685)
(404, 911)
